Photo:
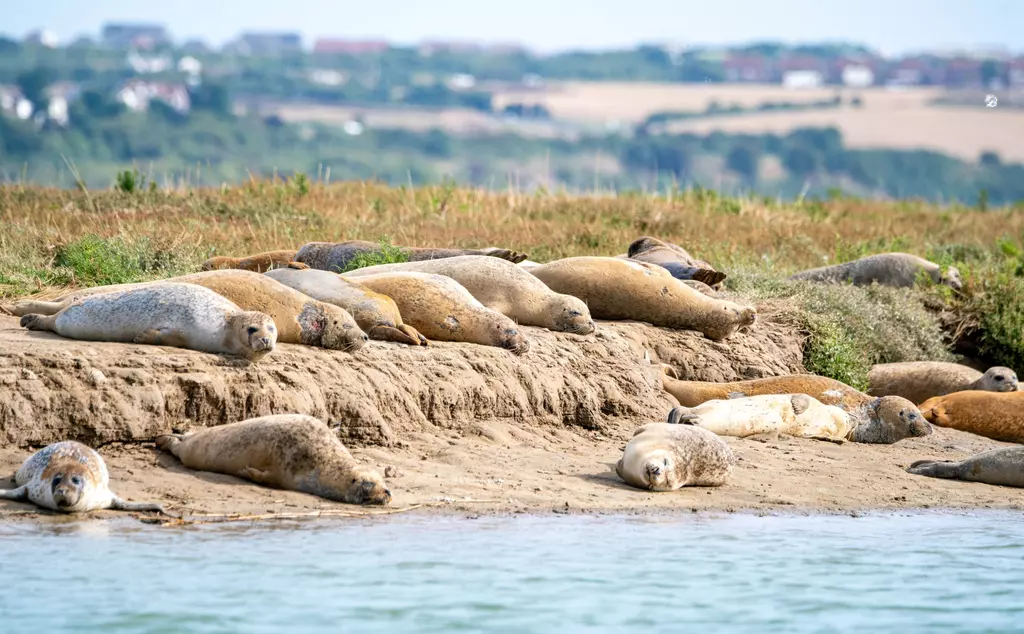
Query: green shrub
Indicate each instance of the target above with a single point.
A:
(94, 261)
(388, 254)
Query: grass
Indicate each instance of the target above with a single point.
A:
(51, 238)
(388, 254)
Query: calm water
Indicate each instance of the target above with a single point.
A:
(914, 573)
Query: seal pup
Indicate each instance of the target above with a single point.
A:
(885, 421)
(899, 270)
(377, 315)
(504, 287)
(624, 289)
(300, 319)
(662, 457)
(442, 309)
(69, 477)
(995, 415)
(258, 263)
(675, 259)
(286, 451)
(828, 391)
(167, 314)
(1003, 467)
(335, 256)
(918, 381)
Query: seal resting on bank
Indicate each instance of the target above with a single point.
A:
(336, 256)
(504, 287)
(165, 314)
(623, 289)
(919, 381)
(675, 259)
(995, 415)
(662, 457)
(289, 451)
(900, 270)
(1003, 467)
(828, 391)
(71, 478)
(258, 263)
(886, 421)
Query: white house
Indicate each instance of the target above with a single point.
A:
(23, 109)
(57, 111)
(190, 65)
(856, 76)
(802, 79)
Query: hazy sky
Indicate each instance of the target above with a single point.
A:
(892, 26)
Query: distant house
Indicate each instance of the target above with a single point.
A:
(327, 77)
(747, 69)
(802, 78)
(42, 37)
(142, 36)
(915, 71)
(461, 81)
(963, 72)
(1016, 73)
(506, 48)
(335, 46)
(9, 97)
(270, 44)
(433, 47)
(136, 94)
(149, 65)
(190, 65)
(857, 76)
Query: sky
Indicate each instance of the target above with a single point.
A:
(889, 26)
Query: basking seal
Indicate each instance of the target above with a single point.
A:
(299, 318)
(377, 315)
(675, 259)
(69, 477)
(885, 421)
(1004, 467)
(662, 457)
(259, 263)
(918, 381)
(828, 391)
(623, 289)
(996, 415)
(167, 314)
(442, 309)
(887, 269)
(335, 256)
(505, 287)
(289, 451)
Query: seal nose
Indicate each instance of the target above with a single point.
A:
(265, 341)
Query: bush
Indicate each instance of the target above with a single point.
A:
(388, 254)
(95, 261)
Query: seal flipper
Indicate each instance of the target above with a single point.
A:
(800, 402)
(118, 504)
(682, 416)
(256, 475)
(936, 469)
(391, 333)
(18, 495)
(732, 395)
(20, 309)
(298, 266)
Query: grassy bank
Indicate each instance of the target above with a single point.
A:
(57, 238)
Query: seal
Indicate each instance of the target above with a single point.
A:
(899, 270)
(622, 289)
(299, 318)
(996, 415)
(259, 263)
(885, 421)
(503, 287)
(675, 259)
(377, 315)
(662, 457)
(286, 451)
(71, 478)
(1003, 467)
(167, 314)
(828, 391)
(918, 381)
(336, 256)
(442, 309)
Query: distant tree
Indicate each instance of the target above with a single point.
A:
(992, 70)
(990, 159)
(437, 144)
(99, 105)
(164, 111)
(33, 85)
(742, 160)
(211, 97)
(9, 46)
(800, 162)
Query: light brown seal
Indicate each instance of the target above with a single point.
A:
(662, 457)
(443, 310)
(289, 451)
(828, 391)
(623, 289)
(69, 477)
(505, 287)
(377, 315)
(167, 314)
(336, 256)
(675, 259)
(900, 270)
(921, 380)
(1003, 467)
(995, 415)
(258, 263)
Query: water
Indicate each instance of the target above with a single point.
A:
(912, 573)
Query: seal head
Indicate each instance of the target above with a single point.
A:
(572, 315)
(366, 487)
(998, 379)
(256, 333)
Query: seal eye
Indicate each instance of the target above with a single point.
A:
(75, 480)
(1000, 377)
(57, 480)
(252, 330)
(354, 480)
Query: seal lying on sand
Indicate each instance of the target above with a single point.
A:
(1004, 467)
(887, 421)
(828, 391)
(377, 315)
(663, 457)
(505, 287)
(289, 451)
(887, 269)
(168, 314)
(675, 259)
(623, 289)
(299, 318)
(69, 477)
(335, 256)
(441, 309)
(921, 380)
(996, 415)
(259, 263)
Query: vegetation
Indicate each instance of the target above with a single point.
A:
(51, 239)
(388, 254)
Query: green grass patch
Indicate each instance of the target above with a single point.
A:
(388, 254)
